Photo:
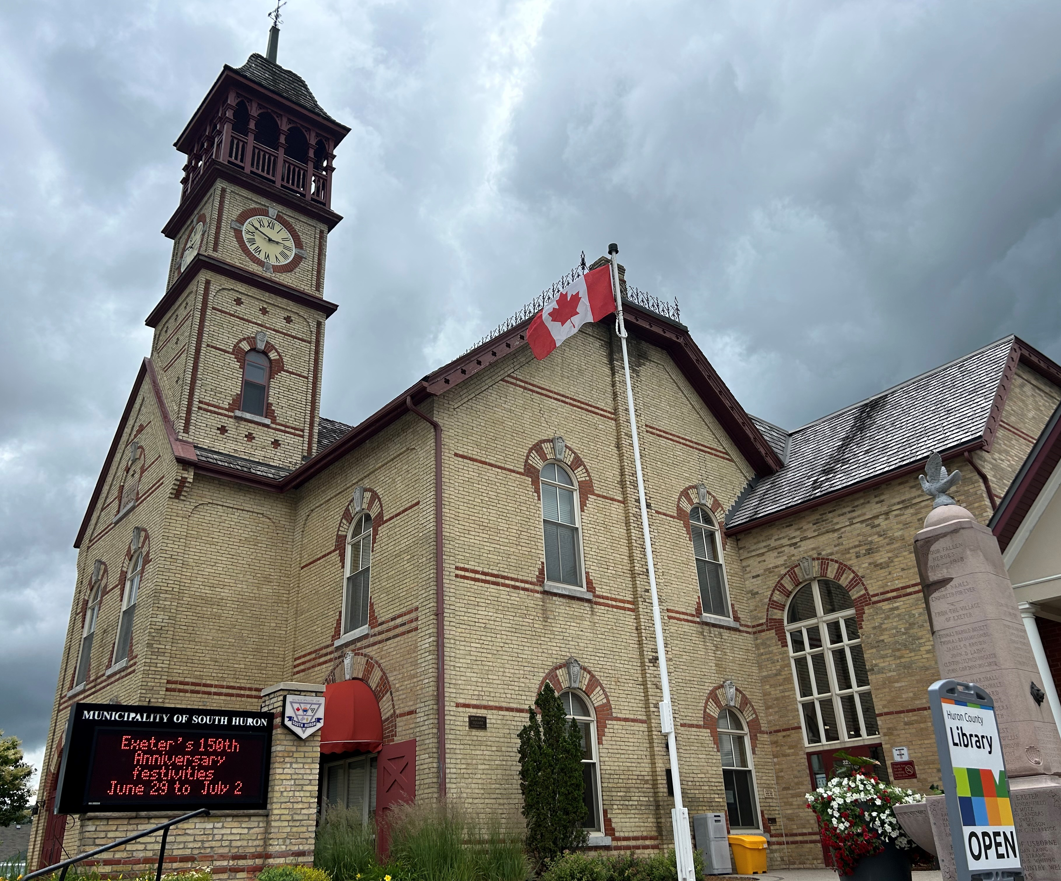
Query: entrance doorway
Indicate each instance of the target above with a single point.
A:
(823, 765)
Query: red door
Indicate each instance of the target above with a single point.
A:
(395, 784)
(54, 824)
(823, 764)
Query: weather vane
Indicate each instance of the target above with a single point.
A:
(275, 14)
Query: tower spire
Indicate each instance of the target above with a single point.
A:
(274, 31)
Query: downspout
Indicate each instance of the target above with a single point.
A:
(440, 607)
(987, 483)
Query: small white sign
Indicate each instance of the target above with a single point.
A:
(304, 713)
(900, 754)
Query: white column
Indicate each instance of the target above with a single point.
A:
(1027, 613)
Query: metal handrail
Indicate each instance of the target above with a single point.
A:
(164, 827)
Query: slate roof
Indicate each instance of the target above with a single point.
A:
(238, 463)
(14, 840)
(329, 431)
(286, 83)
(938, 410)
(775, 435)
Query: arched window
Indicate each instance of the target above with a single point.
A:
(296, 147)
(578, 708)
(320, 155)
(267, 131)
(709, 572)
(131, 484)
(563, 549)
(738, 778)
(832, 682)
(358, 567)
(125, 621)
(91, 614)
(241, 119)
(255, 383)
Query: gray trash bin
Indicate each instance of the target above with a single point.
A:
(712, 841)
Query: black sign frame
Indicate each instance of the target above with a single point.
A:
(88, 721)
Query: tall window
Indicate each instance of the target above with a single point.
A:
(125, 622)
(563, 550)
(255, 382)
(91, 614)
(737, 776)
(832, 682)
(709, 570)
(358, 567)
(351, 783)
(578, 708)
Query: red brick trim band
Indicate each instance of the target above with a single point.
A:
(220, 214)
(195, 358)
(313, 408)
(559, 397)
(663, 434)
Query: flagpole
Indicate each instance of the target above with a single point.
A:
(683, 847)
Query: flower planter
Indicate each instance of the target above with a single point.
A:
(890, 864)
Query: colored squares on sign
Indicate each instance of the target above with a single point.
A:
(1005, 812)
(983, 800)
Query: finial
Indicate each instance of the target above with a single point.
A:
(274, 31)
(938, 481)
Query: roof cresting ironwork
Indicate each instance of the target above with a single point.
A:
(632, 295)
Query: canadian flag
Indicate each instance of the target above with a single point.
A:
(588, 298)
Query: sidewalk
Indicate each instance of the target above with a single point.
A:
(806, 875)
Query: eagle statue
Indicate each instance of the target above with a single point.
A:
(937, 482)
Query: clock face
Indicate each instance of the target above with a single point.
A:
(269, 240)
(191, 248)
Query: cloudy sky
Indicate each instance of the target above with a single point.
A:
(839, 194)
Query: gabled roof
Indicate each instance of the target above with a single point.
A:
(329, 431)
(182, 450)
(1030, 481)
(948, 410)
(285, 83)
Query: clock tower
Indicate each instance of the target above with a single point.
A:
(239, 332)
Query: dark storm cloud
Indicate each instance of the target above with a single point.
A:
(839, 194)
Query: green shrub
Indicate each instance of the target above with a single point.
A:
(576, 867)
(293, 873)
(550, 779)
(345, 847)
(620, 867)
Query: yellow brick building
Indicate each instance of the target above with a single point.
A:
(479, 535)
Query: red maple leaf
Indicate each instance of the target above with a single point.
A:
(566, 308)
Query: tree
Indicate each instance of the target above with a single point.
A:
(550, 778)
(14, 782)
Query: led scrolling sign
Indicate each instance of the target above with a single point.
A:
(133, 758)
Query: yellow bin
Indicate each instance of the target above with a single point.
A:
(749, 853)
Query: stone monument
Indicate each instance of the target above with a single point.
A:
(979, 637)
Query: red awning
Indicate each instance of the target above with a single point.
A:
(352, 720)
